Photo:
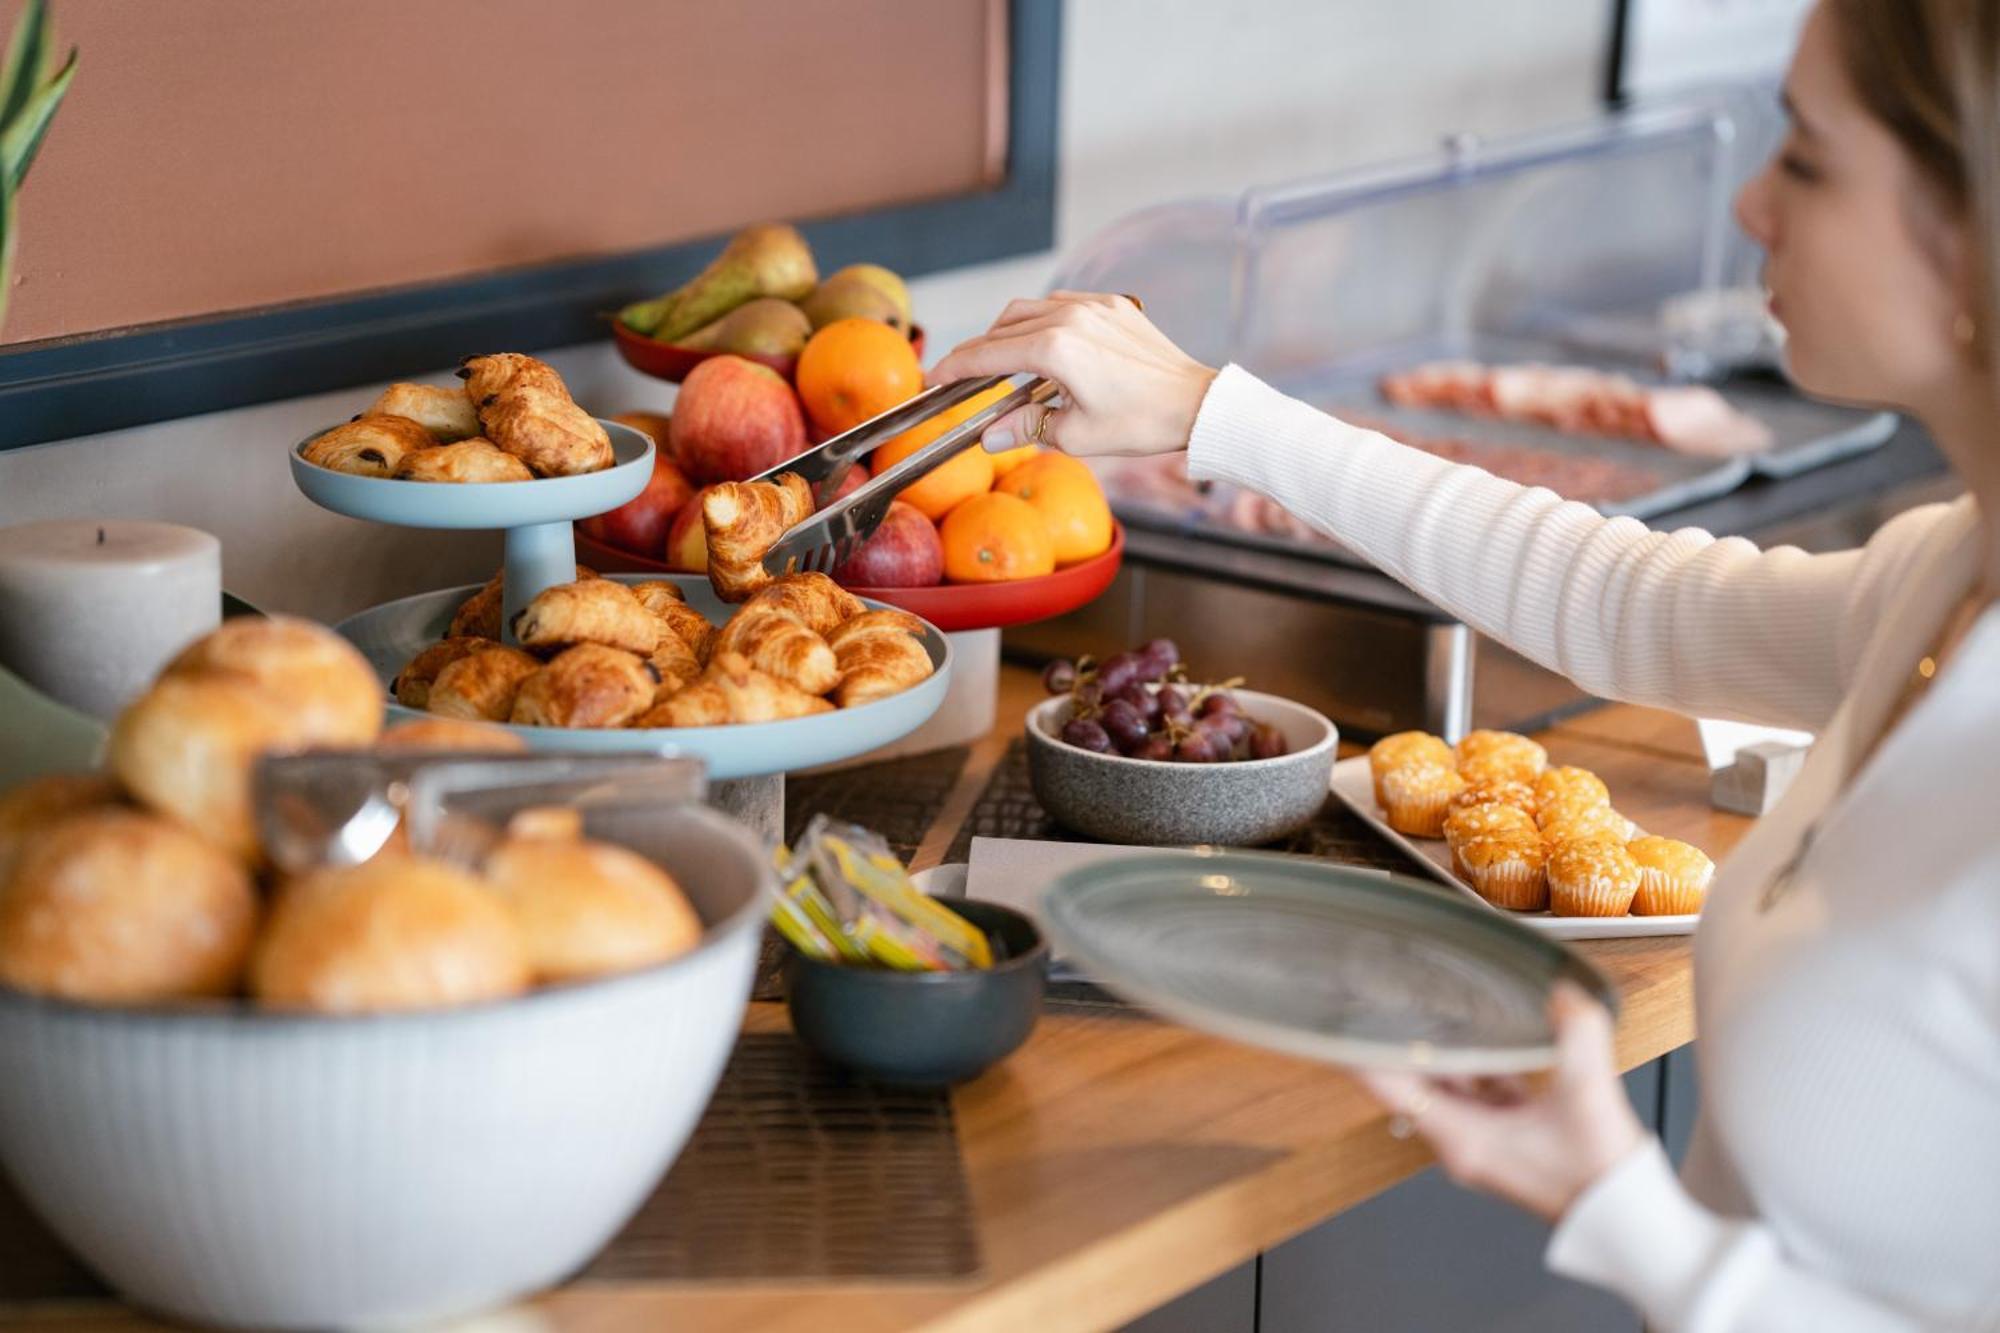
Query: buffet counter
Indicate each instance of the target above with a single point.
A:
(1115, 1162)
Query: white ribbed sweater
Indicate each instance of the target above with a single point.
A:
(1846, 1169)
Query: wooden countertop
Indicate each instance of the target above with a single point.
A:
(1116, 1162)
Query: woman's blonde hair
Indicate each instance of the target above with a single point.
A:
(1929, 70)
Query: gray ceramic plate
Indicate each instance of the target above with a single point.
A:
(1317, 960)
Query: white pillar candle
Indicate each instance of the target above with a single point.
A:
(91, 609)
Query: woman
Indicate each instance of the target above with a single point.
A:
(1846, 1171)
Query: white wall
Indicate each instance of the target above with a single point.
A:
(1162, 99)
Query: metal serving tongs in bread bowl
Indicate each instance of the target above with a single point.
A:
(830, 536)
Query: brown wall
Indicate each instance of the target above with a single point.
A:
(220, 155)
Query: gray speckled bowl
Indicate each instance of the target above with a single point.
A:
(1158, 804)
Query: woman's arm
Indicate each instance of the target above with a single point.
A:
(1637, 1232)
(1679, 620)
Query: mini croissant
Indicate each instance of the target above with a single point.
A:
(413, 683)
(446, 413)
(588, 611)
(481, 686)
(590, 685)
(479, 614)
(813, 599)
(744, 519)
(525, 408)
(666, 601)
(880, 653)
(368, 446)
(730, 691)
(677, 664)
(777, 643)
(473, 460)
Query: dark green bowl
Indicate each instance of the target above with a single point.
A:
(925, 1029)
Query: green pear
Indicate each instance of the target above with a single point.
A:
(887, 283)
(766, 326)
(771, 259)
(848, 295)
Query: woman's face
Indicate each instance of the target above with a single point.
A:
(1864, 269)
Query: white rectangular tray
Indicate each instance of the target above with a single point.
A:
(1352, 784)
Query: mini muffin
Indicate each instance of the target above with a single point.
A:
(1508, 869)
(1593, 877)
(1496, 791)
(1467, 822)
(1673, 876)
(1417, 797)
(1577, 822)
(1502, 755)
(1561, 791)
(1405, 747)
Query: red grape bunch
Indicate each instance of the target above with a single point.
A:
(1141, 705)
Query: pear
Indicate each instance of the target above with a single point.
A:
(766, 326)
(848, 295)
(887, 283)
(771, 259)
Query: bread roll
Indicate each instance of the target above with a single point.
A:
(319, 678)
(186, 748)
(35, 806)
(123, 907)
(450, 733)
(401, 932)
(586, 909)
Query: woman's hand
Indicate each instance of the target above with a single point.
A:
(1537, 1150)
(1126, 388)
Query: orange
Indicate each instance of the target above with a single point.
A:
(1009, 459)
(854, 369)
(994, 537)
(962, 478)
(1066, 494)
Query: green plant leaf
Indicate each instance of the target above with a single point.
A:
(7, 231)
(27, 60)
(21, 140)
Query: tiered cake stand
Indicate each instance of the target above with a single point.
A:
(749, 760)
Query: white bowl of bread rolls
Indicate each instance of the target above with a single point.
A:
(379, 1094)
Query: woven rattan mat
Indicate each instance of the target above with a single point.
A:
(798, 1171)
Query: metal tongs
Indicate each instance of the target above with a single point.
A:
(831, 535)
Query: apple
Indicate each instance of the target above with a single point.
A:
(903, 553)
(733, 419)
(640, 524)
(856, 478)
(687, 540)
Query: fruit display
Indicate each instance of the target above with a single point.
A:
(789, 359)
(1143, 704)
(151, 883)
(512, 420)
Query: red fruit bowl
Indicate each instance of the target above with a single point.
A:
(952, 607)
(667, 362)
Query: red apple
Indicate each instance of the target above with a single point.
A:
(687, 540)
(733, 419)
(640, 524)
(856, 478)
(903, 553)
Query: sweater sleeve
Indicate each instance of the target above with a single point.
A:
(1638, 1233)
(1681, 620)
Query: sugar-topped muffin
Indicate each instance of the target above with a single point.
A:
(1592, 877)
(1673, 876)
(1467, 822)
(1507, 869)
(1579, 821)
(1406, 747)
(1561, 791)
(1496, 791)
(1502, 755)
(1417, 795)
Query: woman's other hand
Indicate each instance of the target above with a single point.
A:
(1539, 1150)
(1126, 388)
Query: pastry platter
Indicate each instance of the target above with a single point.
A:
(1352, 784)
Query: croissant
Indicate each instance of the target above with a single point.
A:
(782, 645)
(813, 599)
(590, 685)
(413, 682)
(880, 653)
(730, 691)
(548, 432)
(480, 687)
(656, 593)
(588, 611)
(677, 664)
(479, 614)
(368, 446)
(447, 414)
(744, 519)
(473, 460)
(496, 372)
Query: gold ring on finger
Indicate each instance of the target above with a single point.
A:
(1039, 433)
